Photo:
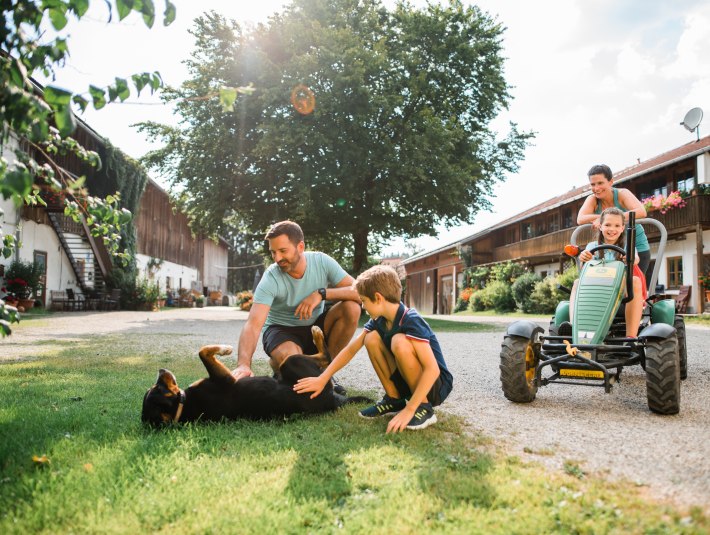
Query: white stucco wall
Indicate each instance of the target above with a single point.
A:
(176, 272)
(550, 269)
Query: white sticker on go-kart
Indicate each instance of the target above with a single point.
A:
(585, 337)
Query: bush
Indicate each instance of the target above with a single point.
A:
(244, 300)
(476, 277)
(22, 279)
(507, 271)
(462, 301)
(545, 296)
(501, 296)
(479, 301)
(522, 290)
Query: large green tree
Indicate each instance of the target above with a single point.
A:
(399, 140)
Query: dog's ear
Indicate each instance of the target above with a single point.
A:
(167, 380)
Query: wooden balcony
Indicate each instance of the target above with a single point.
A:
(677, 221)
(681, 220)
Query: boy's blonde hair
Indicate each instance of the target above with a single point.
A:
(381, 279)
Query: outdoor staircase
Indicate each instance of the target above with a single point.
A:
(87, 256)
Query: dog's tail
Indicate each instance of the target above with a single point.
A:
(323, 356)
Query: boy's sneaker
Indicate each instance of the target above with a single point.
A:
(423, 417)
(386, 406)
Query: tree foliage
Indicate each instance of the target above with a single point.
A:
(398, 140)
(42, 119)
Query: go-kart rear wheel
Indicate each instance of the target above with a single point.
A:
(519, 358)
(679, 324)
(663, 375)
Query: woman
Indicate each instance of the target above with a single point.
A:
(604, 196)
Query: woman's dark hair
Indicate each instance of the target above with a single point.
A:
(600, 169)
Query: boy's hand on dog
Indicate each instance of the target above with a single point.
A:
(242, 371)
(310, 384)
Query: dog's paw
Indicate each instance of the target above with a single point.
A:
(211, 351)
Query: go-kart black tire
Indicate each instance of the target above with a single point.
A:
(679, 324)
(519, 358)
(663, 375)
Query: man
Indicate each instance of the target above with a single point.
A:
(290, 298)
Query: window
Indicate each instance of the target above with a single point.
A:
(657, 186)
(511, 235)
(686, 182)
(554, 222)
(675, 271)
(567, 221)
(527, 231)
(540, 226)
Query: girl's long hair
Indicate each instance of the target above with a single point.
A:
(621, 242)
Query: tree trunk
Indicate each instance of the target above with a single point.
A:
(360, 254)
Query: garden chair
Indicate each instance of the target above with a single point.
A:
(112, 301)
(74, 301)
(58, 299)
(682, 299)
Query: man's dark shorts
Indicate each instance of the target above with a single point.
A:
(275, 335)
(436, 396)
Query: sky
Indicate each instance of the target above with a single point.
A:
(607, 81)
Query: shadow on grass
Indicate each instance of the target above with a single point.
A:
(83, 412)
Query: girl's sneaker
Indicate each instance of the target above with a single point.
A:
(423, 417)
(386, 406)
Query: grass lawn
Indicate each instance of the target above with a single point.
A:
(105, 473)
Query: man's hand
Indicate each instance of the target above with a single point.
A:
(310, 384)
(242, 371)
(304, 310)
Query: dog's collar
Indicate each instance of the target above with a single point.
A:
(181, 403)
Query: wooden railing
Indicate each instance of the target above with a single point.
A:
(676, 220)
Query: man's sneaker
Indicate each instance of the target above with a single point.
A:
(338, 388)
(423, 417)
(386, 406)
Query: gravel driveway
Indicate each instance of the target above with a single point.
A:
(612, 434)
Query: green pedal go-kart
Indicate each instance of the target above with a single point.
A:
(592, 349)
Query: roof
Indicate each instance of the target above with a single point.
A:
(689, 150)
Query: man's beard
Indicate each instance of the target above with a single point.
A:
(290, 266)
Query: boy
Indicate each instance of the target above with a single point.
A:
(403, 350)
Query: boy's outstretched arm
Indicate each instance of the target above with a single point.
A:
(317, 384)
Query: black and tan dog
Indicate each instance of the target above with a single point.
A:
(220, 397)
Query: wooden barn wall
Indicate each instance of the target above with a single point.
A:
(420, 294)
(214, 272)
(162, 233)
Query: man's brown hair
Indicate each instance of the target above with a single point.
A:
(289, 228)
(381, 279)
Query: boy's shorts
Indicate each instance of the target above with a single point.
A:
(275, 335)
(436, 396)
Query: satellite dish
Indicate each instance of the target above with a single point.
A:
(692, 120)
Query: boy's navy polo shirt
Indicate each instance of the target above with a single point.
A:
(408, 322)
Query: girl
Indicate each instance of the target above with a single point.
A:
(612, 232)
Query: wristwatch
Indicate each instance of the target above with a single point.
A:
(321, 291)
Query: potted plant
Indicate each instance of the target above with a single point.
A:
(704, 280)
(200, 301)
(22, 280)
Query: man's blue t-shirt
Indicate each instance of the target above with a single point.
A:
(408, 322)
(283, 293)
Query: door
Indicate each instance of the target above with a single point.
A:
(40, 257)
(446, 295)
